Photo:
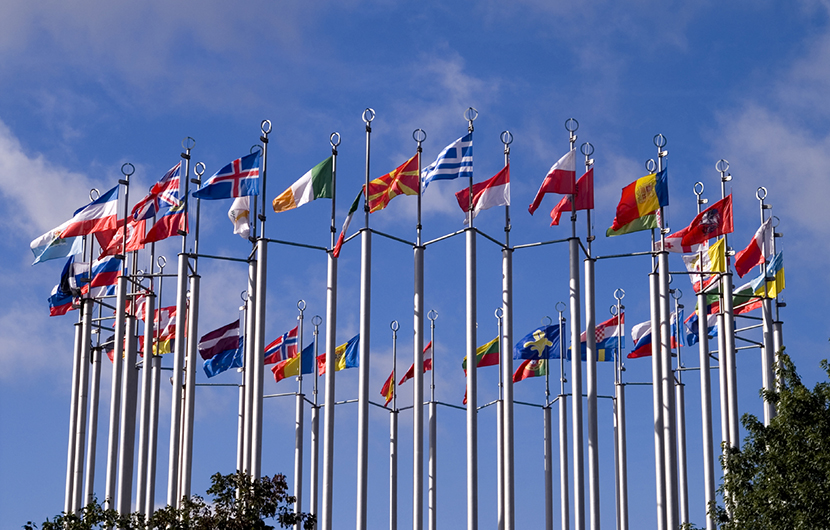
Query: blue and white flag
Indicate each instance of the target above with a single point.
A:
(225, 360)
(240, 178)
(51, 246)
(541, 343)
(456, 160)
(692, 335)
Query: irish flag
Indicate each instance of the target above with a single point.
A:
(531, 368)
(315, 184)
(757, 250)
(492, 192)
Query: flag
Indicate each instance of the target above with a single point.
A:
(494, 191)
(774, 278)
(758, 249)
(744, 299)
(227, 359)
(642, 197)
(172, 223)
(530, 368)
(714, 221)
(345, 356)
(714, 258)
(290, 367)
(112, 241)
(674, 243)
(336, 251)
(314, 184)
(646, 222)
(541, 343)
(164, 329)
(237, 179)
(72, 277)
(403, 180)
(606, 339)
(283, 348)
(427, 365)
(641, 336)
(584, 197)
(486, 355)
(240, 216)
(560, 179)
(456, 160)
(98, 215)
(52, 246)
(219, 341)
(692, 335)
(388, 389)
(104, 277)
(163, 193)
(59, 302)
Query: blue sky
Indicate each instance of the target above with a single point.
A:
(88, 86)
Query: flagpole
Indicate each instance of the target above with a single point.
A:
(92, 431)
(250, 312)
(472, 402)
(499, 432)
(152, 446)
(82, 398)
(729, 324)
(393, 435)
(242, 437)
(418, 384)
(657, 397)
(365, 309)
(705, 384)
(564, 495)
(433, 430)
(144, 407)
(331, 338)
(180, 345)
(299, 422)
(68, 504)
(777, 331)
(667, 377)
(680, 401)
(619, 415)
(768, 351)
(506, 358)
(315, 427)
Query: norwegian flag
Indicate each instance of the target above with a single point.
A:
(240, 178)
(164, 193)
(285, 347)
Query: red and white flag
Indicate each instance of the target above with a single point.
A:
(714, 221)
(584, 197)
(757, 250)
(427, 365)
(492, 192)
(96, 216)
(560, 179)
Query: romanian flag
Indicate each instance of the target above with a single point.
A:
(291, 367)
(388, 390)
(531, 368)
(403, 180)
(345, 356)
(314, 184)
(714, 221)
(642, 197)
(486, 355)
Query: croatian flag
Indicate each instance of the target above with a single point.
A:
(164, 193)
(456, 160)
(606, 337)
(285, 347)
(240, 178)
(96, 216)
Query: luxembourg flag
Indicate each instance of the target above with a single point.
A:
(561, 178)
(96, 216)
(492, 192)
(285, 347)
(757, 250)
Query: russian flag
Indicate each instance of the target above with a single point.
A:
(96, 216)
(105, 272)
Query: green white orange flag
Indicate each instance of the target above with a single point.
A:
(315, 184)
(403, 180)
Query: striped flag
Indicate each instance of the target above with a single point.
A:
(336, 251)
(96, 216)
(291, 367)
(584, 199)
(561, 178)
(105, 272)
(314, 184)
(345, 356)
(456, 160)
(486, 355)
(642, 197)
(494, 191)
(427, 365)
(757, 250)
(388, 390)
(219, 340)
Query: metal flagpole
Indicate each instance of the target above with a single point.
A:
(680, 391)
(705, 384)
(258, 357)
(248, 375)
(777, 331)
(768, 351)
(129, 398)
(418, 360)
(180, 345)
(393, 435)
(666, 376)
(241, 437)
(499, 432)
(315, 427)
(564, 495)
(117, 354)
(506, 357)
(299, 422)
(68, 505)
(365, 309)
(83, 394)
(657, 397)
(433, 432)
(92, 431)
(728, 328)
(152, 443)
(621, 459)
(472, 390)
(571, 125)
(548, 454)
(331, 337)
(144, 417)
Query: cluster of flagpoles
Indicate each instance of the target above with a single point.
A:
(667, 383)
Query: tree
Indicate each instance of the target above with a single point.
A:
(780, 478)
(237, 503)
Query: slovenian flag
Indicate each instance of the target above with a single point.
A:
(494, 191)
(642, 197)
(316, 183)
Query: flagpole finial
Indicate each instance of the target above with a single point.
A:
(301, 305)
(571, 125)
(676, 293)
(587, 149)
(651, 165)
(161, 262)
(499, 312)
(419, 135)
(334, 139)
(761, 193)
(265, 127)
(432, 315)
(127, 169)
(199, 169)
(94, 194)
(619, 294)
(368, 115)
(470, 115)
(394, 326)
(660, 141)
(188, 143)
(722, 166)
(316, 320)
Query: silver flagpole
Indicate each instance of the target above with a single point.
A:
(241, 437)
(768, 351)
(129, 399)
(564, 495)
(472, 390)
(83, 391)
(418, 383)
(680, 390)
(250, 312)
(258, 358)
(777, 331)
(548, 459)
(365, 309)
(591, 360)
(155, 380)
(180, 346)
(144, 416)
(506, 356)
(315, 427)
(705, 385)
(657, 397)
(729, 325)
(68, 504)
(393, 434)
(92, 431)
(571, 125)
(433, 432)
(331, 338)
(619, 410)
(299, 422)
(499, 432)
(667, 377)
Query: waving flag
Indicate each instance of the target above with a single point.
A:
(642, 197)
(291, 367)
(314, 184)
(283, 348)
(388, 389)
(96, 216)
(486, 355)
(646, 222)
(494, 191)
(531, 368)
(674, 243)
(59, 302)
(641, 336)
(456, 160)
(237, 179)
(774, 278)
(219, 340)
(427, 365)
(336, 251)
(403, 180)
(52, 246)
(112, 241)
(541, 343)
(345, 356)
(693, 335)
(584, 198)
(225, 360)
(560, 179)
(606, 339)
(105, 272)
(756, 252)
(714, 221)
(164, 193)
(240, 216)
(172, 223)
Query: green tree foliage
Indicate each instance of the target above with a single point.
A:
(237, 503)
(780, 478)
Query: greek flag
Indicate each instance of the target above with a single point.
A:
(456, 160)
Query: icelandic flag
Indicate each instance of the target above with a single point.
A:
(52, 246)
(541, 343)
(225, 360)
(456, 160)
(219, 341)
(693, 337)
(104, 277)
(285, 347)
(238, 179)
(96, 216)
(164, 193)
(606, 336)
